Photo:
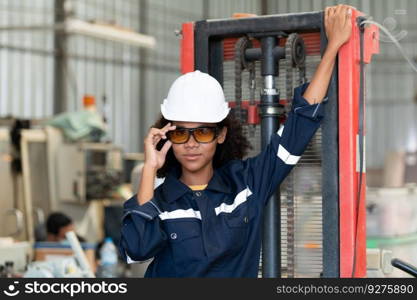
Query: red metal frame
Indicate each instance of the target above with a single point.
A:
(349, 67)
(187, 48)
(352, 235)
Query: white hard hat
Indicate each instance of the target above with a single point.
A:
(195, 97)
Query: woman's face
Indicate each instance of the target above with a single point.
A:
(194, 156)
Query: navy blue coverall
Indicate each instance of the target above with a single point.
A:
(216, 232)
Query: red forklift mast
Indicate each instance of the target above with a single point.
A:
(318, 231)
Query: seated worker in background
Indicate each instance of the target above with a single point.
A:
(57, 225)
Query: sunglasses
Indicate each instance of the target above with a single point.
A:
(200, 134)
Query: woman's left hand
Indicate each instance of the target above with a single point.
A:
(338, 24)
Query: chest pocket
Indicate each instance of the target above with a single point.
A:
(185, 241)
(236, 228)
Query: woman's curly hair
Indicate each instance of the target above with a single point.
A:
(235, 146)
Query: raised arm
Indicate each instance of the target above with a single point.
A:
(154, 160)
(270, 167)
(337, 20)
(141, 235)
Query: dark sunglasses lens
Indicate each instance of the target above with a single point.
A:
(178, 136)
(205, 135)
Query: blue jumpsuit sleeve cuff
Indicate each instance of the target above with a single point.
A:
(149, 210)
(302, 107)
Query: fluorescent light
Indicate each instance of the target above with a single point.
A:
(109, 32)
(100, 31)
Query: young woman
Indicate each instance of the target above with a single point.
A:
(205, 220)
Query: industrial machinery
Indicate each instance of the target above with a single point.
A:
(41, 172)
(14, 210)
(315, 223)
(8, 206)
(88, 171)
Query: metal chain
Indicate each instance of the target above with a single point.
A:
(289, 197)
(240, 64)
(292, 63)
(252, 90)
(289, 70)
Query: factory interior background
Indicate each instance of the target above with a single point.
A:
(56, 88)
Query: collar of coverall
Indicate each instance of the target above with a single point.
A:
(173, 188)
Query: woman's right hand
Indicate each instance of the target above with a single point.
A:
(153, 157)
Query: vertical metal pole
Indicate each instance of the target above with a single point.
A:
(206, 10)
(143, 12)
(271, 246)
(264, 7)
(330, 174)
(60, 60)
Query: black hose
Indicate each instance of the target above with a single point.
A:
(403, 266)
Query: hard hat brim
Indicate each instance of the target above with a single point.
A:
(197, 118)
